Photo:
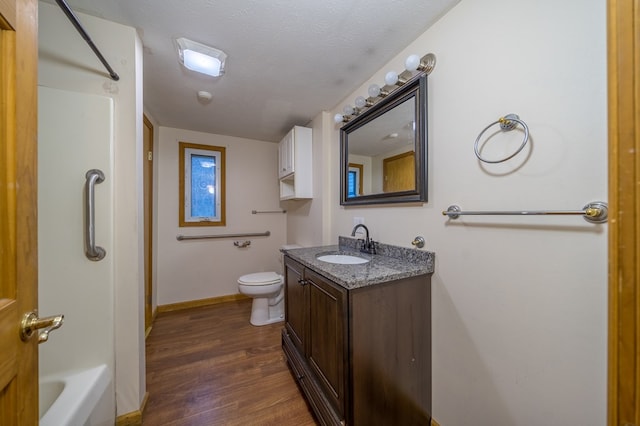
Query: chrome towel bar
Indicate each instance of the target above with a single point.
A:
(594, 212)
(203, 237)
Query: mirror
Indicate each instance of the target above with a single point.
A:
(384, 149)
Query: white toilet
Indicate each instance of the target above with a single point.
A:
(267, 291)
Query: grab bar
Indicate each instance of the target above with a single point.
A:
(267, 211)
(92, 252)
(594, 212)
(202, 237)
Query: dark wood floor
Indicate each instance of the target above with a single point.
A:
(209, 366)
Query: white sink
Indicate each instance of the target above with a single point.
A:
(343, 259)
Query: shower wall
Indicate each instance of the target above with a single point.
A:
(75, 135)
(65, 62)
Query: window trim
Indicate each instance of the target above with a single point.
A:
(183, 185)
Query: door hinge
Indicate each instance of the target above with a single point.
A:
(150, 155)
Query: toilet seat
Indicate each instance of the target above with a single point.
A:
(260, 278)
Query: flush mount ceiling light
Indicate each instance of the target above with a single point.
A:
(201, 58)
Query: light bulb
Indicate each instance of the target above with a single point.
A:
(338, 118)
(391, 78)
(375, 91)
(412, 63)
(348, 110)
(361, 102)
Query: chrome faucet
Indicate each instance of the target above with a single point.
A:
(367, 245)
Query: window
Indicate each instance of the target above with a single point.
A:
(202, 189)
(354, 183)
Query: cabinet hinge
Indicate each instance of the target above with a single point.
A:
(150, 155)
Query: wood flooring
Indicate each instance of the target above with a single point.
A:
(210, 366)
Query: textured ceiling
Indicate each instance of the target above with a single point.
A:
(287, 59)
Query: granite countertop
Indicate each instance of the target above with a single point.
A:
(390, 264)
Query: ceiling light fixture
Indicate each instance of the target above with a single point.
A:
(393, 80)
(201, 58)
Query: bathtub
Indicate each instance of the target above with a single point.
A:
(77, 398)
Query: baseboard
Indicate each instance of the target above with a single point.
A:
(201, 302)
(434, 423)
(133, 418)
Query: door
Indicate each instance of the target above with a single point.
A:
(18, 207)
(623, 27)
(399, 173)
(326, 340)
(147, 149)
(295, 304)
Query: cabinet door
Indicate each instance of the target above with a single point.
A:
(326, 344)
(296, 311)
(286, 155)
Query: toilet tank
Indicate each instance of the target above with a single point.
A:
(281, 255)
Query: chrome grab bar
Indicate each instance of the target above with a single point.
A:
(267, 211)
(92, 251)
(202, 237)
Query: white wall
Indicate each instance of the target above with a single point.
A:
(519, 303)
(66, 62)
(304, 215)
(200, 269)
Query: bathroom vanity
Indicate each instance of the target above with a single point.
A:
(358, 336)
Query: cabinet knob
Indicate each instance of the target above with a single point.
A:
(302, 282)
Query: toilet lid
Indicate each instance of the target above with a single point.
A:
(260, 278)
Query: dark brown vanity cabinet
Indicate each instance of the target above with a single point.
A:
(361, 356)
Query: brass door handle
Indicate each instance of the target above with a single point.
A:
(30, 323)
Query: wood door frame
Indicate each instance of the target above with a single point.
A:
(148, 227)
(623, 52)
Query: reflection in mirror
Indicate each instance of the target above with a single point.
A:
(384, 150)
(355, 179)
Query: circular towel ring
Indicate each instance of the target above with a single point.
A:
(507, 123)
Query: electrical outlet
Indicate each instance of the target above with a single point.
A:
(358, 220)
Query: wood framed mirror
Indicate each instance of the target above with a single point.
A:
(383, 151)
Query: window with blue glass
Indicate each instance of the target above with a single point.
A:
(352, 190)
(354, 180)
(201, 185)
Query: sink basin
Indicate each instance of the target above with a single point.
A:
(343, 259)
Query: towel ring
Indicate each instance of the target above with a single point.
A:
(507, 123)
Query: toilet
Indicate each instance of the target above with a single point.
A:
(267, 291)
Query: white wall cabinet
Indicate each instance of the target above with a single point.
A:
(295, 164)
(286, 151)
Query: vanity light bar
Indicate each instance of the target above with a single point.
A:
(392, 80)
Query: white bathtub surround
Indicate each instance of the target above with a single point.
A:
(77, 398)
(75, 136)
(65, 63)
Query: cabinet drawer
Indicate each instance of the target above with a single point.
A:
(292, 356)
